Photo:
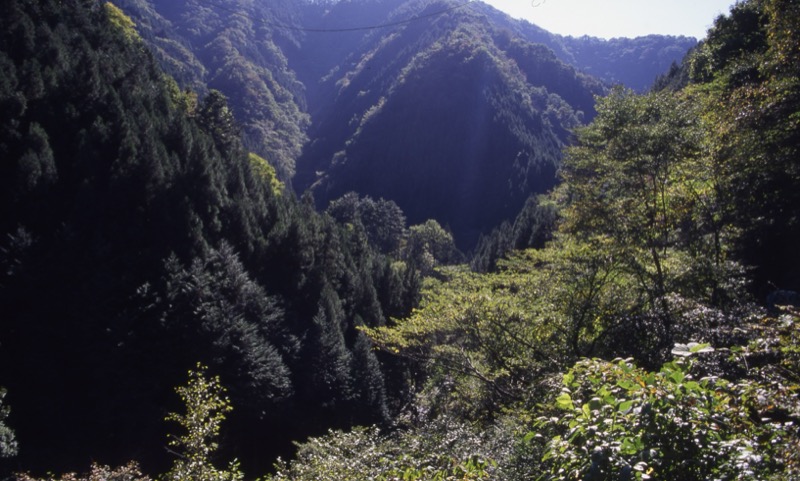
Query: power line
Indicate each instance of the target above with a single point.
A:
(263, 21)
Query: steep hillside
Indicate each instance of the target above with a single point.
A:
(632, 62)
(649, 330)
(231, 46)
(139, 237)
(449, 118)
(385, 97)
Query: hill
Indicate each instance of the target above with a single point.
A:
(632, 62)
(449, 118)
(321, 88)
(139, 237)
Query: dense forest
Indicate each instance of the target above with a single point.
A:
(321, 86)
(140, 237)
(630, 310)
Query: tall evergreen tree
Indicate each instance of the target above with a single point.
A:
(136, 239)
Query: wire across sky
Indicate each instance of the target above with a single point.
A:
(300, 28)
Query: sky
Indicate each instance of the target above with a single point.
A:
(618, 18)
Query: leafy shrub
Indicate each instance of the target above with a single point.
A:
(442, 450)
(98, 472)
(772, 371)
(620, 422)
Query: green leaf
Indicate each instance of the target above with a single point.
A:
(629, 446)
(564, 401)
(692, 386)
(700, 348)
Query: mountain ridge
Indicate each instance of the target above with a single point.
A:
(302, 77)
(631, 61)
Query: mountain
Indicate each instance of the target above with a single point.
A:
(632, 62)
(449, 118)
(142, 230)
(655, 335)
(454, 111)
(138, 237)
(231, 46)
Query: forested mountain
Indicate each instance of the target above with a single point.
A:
(321, 88)
(638, 321)
(231, 46)
(450, 119)
(139, 237)
(632, 62)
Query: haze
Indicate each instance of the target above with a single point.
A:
(618, 18)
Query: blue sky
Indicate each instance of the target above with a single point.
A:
(618, 18)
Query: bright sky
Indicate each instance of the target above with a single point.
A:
(618, 18)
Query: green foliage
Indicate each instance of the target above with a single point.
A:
(645, 257)
(382, 220)
(330, 359)
(533, 227)
(216, 116)
(734, 41)
(97, 472)
(618, 421)
(228, 50)
(750, 94)
(673, 80)
(266, 172)
(206, 405)
(489, 338)
(444, 450)
(36, 166)
(638, 178)
(429, 246)
(138, 214)
(8, 442)
(122, 22)
(641, 183)
(215, 312)
(786, 329)
(772, 361)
